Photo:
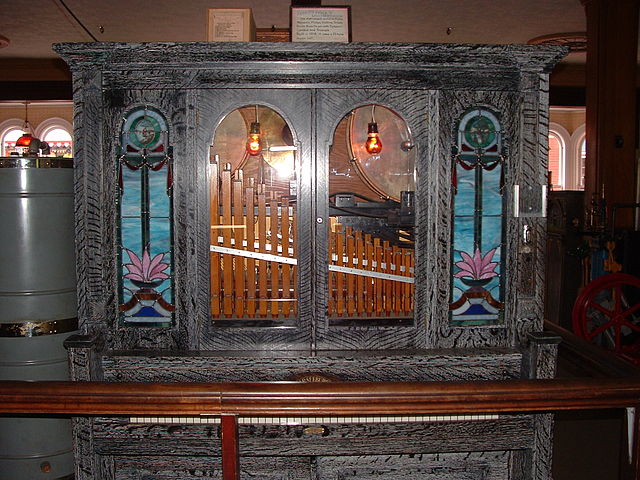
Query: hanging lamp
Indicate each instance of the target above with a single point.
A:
(254, 141)
(373, 144)
(26, 139)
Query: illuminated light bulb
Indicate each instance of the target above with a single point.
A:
(254, 142)
(373, 145)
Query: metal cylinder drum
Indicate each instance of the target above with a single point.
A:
(37, 306)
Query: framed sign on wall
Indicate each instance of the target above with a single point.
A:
(230, 25)
(321, 24)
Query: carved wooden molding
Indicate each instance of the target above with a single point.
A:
(311, 377)
(575, 41)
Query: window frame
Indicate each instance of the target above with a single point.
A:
(564, 139)
(6, 127)
(576, 168)
(53, 123)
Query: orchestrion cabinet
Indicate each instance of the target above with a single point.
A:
(311, 212)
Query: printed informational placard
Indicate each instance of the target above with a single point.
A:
(230, 25)
(321, 24)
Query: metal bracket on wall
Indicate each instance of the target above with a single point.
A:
(530, 201)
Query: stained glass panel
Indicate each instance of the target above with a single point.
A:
(478, 183)
(144, 168)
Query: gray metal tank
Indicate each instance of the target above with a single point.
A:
(37, 306)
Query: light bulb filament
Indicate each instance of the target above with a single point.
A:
(373, 145)
(254, 141)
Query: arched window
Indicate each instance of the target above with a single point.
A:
(582, 160)
(557, 166)
(566, 149)
(57, 133)
(9, 141)
(556, 161)
(10, 131)
(579, 157)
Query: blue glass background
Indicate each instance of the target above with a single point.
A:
(464, 229)
(159, 233)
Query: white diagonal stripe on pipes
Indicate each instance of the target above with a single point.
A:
(294, 261)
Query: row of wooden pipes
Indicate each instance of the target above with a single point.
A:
(253, 259)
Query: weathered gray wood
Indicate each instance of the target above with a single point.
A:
(532, 173)
(540, 361)
(328, 75)
(412, 107)
(347, 366)
(208, 467)
(448, 466)
(124, 66)
(172, 104)
(295, 108)
(312, 86)
(83, 452)
(118, 437)
(542, 355)
(106, 467)
(207, 54)
(84, 366)
(440, 333)
(87, 114)
(520, 465)
(85, 357)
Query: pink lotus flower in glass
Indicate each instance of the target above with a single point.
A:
(478, 267)
(146, 272)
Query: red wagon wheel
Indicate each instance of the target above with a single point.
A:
(607, 313)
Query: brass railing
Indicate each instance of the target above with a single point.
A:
(230, 400)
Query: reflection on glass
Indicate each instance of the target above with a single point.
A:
(371, 204)
(253, 260)
(392, 170)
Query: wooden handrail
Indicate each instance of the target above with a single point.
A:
(230, 400)
(582, 358)
(339, 398)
